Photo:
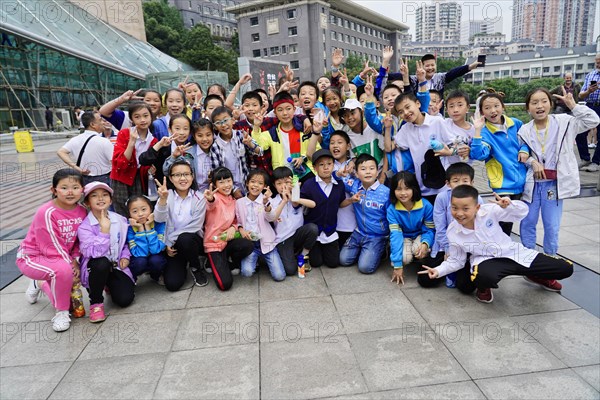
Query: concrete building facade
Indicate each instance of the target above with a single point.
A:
(561, 23)
(305, 32)
(211, 13)
(438, 21)
(546, 63)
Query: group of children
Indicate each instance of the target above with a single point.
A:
(320, 179)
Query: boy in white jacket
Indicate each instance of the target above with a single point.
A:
(494, 255)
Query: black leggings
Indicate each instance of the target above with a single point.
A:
(423, 279)
(101, 274)
(237, 249)
(488, 273)
(189, 247)
(303, 238)
(328, 254)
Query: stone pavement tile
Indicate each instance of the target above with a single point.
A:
(589, 231)
(496, 347)
(590, 374)
(14, 307)
(581, 204)
(575, 218)
(18, 286)
(217, 373)
(217, 327)
(362, 396)
(566, 238)
(243, 291)
(562, 384)
(348, 280)
(572, 336)
(36, 343)
(292, 287)
(291, 320)
(375, 311)
(309, 369)
(591, 215)
(518, 297)
(441, 305)
(31, 381)
(151, 297)
(123, 377)
(459, 390)
(396, 359)
(588, 256)
(129, 334)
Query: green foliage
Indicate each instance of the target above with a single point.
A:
(235, 43)
(354, 65)
(196, 47)
(514, 91)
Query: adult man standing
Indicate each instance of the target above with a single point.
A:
(49, 119)
(91, 149)
(570, 87)
(590, 93)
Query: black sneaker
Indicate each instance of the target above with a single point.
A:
(205, 264)
(200, 278)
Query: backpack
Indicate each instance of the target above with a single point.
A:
(433, 173)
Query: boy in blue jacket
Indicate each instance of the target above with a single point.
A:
(370, 200)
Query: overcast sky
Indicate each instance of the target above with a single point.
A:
(404, 11)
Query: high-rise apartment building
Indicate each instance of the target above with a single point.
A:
(438, 21)
(561, 23)
(470, 28)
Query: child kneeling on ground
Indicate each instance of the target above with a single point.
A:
(494, 256)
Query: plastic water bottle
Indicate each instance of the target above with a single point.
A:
(451, 280)
(295, 189)
(77, 308)
(298, 171)
(436, 145)
(301, 270)
(152, 191)
(254, 236)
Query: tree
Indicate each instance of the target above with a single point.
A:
(235, 43)
(164, 27)
(199, 51)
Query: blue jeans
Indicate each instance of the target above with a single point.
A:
(154, 263)
(366, 249)
(582, 144)
(273, 262)
(544, 199)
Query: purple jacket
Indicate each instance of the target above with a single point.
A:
(94, 244)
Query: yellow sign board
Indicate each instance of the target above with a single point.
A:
(23, 142)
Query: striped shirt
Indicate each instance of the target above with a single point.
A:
(592, 76)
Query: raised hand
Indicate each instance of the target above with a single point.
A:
(567, 98)
(181, 150)
(162, 190)
(272, 90)
(478, 122)
(501, 201)
(247, 140)
(245, 79)
(182, 85)
(289, 73)
(209, 194)
(133, 135)
(366, 70)
(420, 71)
(258, 120)
(404, 67)
(337, 57)
(163, 142)
(431, 272)
(104, 221)
(387, 53)
(369, 88)
(388, 122)
(344, 77)
(267, 196)
(129, 96)
(357, 197)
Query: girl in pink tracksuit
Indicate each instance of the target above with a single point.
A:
(48, 254)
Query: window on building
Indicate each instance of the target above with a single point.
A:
(192, 21)
(360, 42)
(568, 68)
(579, 67)
(293, 48)
(190, 4)
(256, 53)
(505, 73)
(353, 40)
(346, 24)
(284, 49)
(496, 74)
(546, 69)
(253, 21)
(265, 52)
(291, 14)
(255, 37)
(352, 25)
(331, 19)
(295, 64)
(340, 21)
(526, 71)
(293, 31)
(274, 51)
(590, 66)
(488, 75)
(333, 35)
(557, 68)
(516, 72)
(347, 38)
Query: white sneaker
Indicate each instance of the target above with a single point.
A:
(583, 163)
(592, 146)
(235, 271)
(33, 292)
(592, 168)
(61, 321)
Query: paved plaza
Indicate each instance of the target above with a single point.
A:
(335, 334)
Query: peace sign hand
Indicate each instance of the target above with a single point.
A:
(162, 190)
(566, 98)
(247, 140)
(181, 150)
(420, 71)
(501, 201)
(404, 67)
(209, 194)
(431, 272)
(369, 89)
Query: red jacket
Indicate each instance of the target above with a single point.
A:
(124, 170)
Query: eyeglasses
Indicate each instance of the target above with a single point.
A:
(222, 122)
(179, 176)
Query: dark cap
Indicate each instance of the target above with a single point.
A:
(319, 154)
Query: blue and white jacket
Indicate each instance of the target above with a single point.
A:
(146, 243)
(409, 224)
(371, 209)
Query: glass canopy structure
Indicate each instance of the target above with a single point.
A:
(55, 53)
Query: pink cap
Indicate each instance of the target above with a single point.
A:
(90, 187)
